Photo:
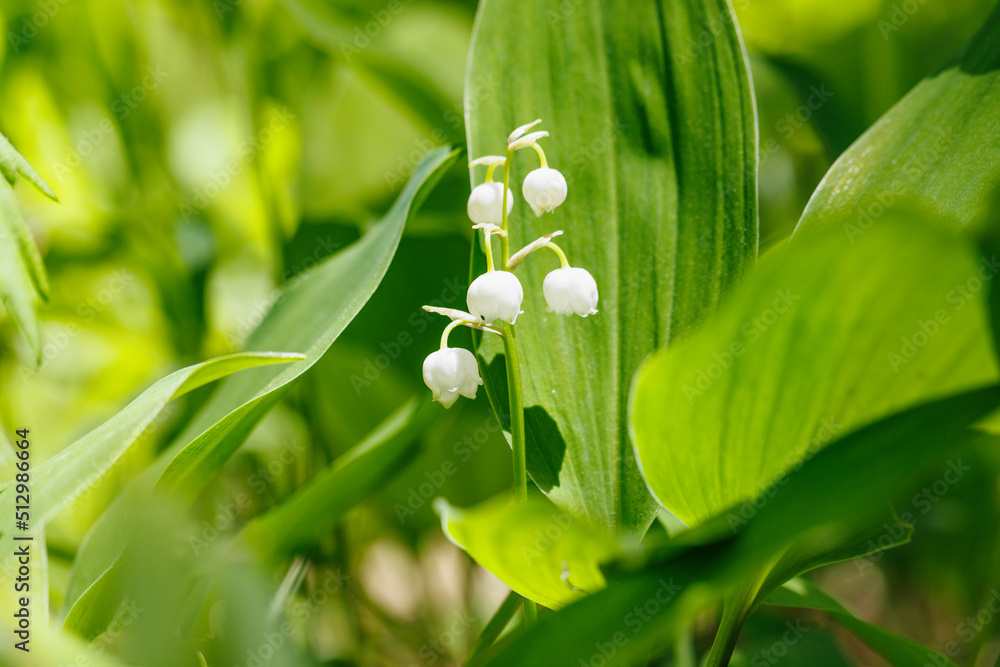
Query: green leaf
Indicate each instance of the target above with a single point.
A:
(22, 273)
(312, 311)
(61, 479)
(845, 486)
(302, 520)
(899, 651)
(540, 551)
(13, 163)
(16, 289)
(824, 337)
(13, 225)
(936, 149)
(656, 136)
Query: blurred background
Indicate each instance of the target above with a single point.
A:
(204, 151)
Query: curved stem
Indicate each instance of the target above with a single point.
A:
(489, 172)
(541, 155)
(559, 251)
(447, 330)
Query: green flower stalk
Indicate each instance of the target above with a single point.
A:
(498, 294)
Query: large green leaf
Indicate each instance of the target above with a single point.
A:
(827, 335)
(61, 479)
(845, 487)
(654, 128)
(540, 551)
(899, 651)
(303, 519)
(312, 311)
(936, 149)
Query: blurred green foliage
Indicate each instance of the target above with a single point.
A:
(205, 151)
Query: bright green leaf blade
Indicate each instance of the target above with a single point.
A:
(655, 133)
(12, 162)
(61, 479)
(17, 292)
(313, 310)
(824, 337)
(537, 549)
(936, 149)
(308, 317)
(303, 519)
(846, 486)
(898, 650)
(14, 228)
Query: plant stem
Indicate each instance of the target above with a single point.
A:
(736, 608)
(514, 385)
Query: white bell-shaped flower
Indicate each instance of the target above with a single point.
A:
(486, 204)
(450, 372)
(570, 290)
(544, 189)
(496, 295)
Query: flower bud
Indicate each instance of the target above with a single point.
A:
(569, 291)
(486, 203)
(496, 295)
(544, 189)
(452, 371)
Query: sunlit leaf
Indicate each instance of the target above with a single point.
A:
(845, 486)
(62, 478)
(936, 149)
(540, 551)
(824, 337)
(654, 128)
(312, 311)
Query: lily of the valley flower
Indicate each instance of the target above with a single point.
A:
(486, 204)
(570, 290)
(452, 372)
(544, 189)
(496, 295)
